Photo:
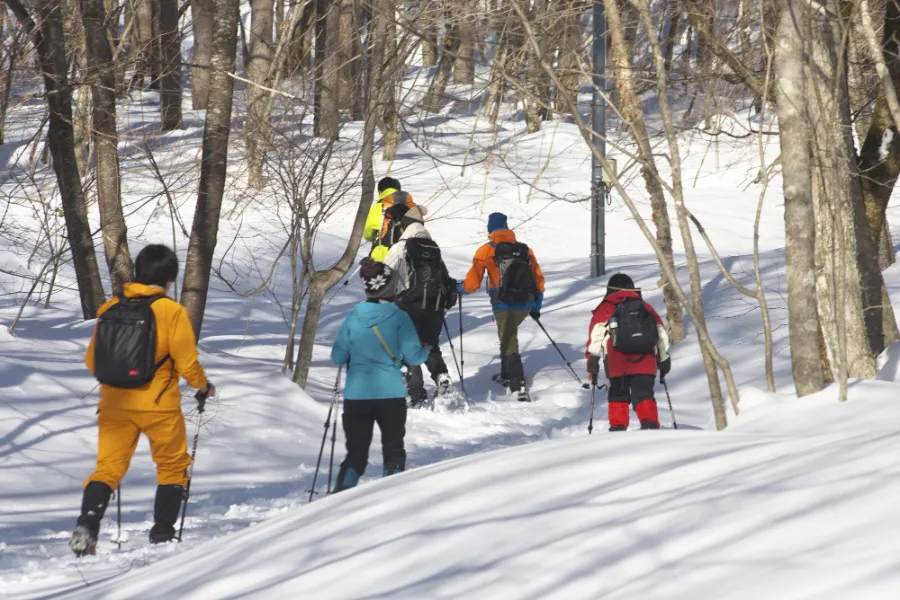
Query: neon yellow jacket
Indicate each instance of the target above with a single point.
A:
(373, 221)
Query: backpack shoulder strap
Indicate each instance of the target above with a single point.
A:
(385, 344)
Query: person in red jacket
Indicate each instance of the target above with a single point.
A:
(631, 376)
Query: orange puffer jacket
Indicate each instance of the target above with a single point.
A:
(175, 338)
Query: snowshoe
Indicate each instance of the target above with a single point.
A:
(498, 378)
(523, 396)
(618, 428)
(649, 425)
(444, 386)
(83, 542)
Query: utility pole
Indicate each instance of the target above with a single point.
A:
(598, 124)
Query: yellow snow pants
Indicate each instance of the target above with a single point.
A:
(119, 434)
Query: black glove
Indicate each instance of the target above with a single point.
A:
(536, 315)
(665, 366)
(593, 366)
(201, 397)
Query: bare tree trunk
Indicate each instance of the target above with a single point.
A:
(9, 55)
(319, 282)
(799, 220)
(466, 29)
(347, 32)
(429, 46)
(381, 74)
(102, 77)
(213, 165)
(633, 114)
(50, 44)
(434, 98)
(170, 77)
(142, 36)
(886, 254)
(259, 119)
(327, 123)
(202, 19)
(569, 66)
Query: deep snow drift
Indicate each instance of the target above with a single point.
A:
(795, 502)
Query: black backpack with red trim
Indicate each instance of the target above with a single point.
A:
(125, 343)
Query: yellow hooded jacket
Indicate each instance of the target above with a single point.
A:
(374, 229)
(175, 338)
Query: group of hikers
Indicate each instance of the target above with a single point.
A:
(143, 343)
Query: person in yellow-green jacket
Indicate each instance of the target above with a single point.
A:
(377, 227)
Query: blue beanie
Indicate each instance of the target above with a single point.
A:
(496, 221)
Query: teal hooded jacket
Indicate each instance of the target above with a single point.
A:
(372, 374)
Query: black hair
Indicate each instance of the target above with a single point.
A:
(388, 183)
(156, 265)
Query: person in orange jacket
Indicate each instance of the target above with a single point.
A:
(516, 286)
(153, 409)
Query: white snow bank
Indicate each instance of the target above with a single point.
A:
(669, 514)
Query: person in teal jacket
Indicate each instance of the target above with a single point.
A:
(374, 342)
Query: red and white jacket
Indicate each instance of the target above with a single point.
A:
(600, 344)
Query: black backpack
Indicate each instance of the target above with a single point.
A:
(517, 284)
(125, 344)
(428, 278)
(636, 331)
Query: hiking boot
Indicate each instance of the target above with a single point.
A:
(94, 501)
(418, 398)
(523, 396)
(83, 542)
(619, 428)
(165, 513)
(649, 425)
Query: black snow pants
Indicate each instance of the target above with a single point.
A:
(359, 420)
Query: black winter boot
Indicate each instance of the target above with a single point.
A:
(649, 425)
(165, 513)
(618, 428)
(94, 501)
(515, 372)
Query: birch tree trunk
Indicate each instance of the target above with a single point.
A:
(633, 114)
(213, 165)
(799, 219)
(102, 77)
(259, 119)
(202, 12)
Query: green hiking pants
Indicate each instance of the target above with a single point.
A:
(508, 322)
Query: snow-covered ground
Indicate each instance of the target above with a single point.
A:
(795, 500)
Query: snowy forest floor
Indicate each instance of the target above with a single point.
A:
(260, 439)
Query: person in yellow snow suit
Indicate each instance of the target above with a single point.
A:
(377, 228)
(154, 407)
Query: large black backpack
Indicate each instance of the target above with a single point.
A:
(636, 331)
(517, 284)
(125, 343)
(429, 285)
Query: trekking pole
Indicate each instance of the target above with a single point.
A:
(119, 515)
(462, 354)
(201, 406)
(568, 364)
(593, 395)
(337, 386)
(333, 439)
(462, 382)
(662, 380)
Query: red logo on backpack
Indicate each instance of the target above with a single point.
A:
(133, 373)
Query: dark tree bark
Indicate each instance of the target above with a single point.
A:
(570, 48)
(8, 55)
(214, 163)
(170, 54)
(101, 74)
(466, 29)
(51, 46)
(327, 116)
(202, 12)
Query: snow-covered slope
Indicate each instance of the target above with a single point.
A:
(800, 503)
